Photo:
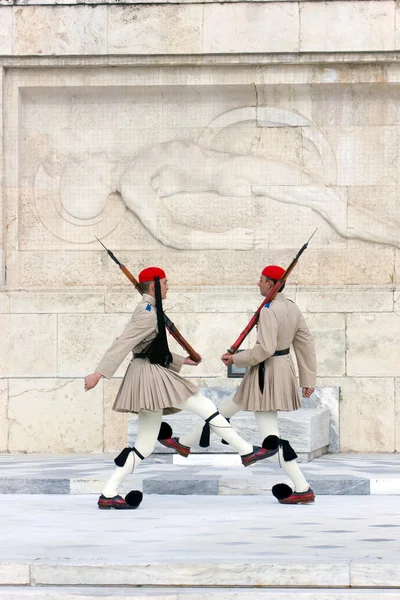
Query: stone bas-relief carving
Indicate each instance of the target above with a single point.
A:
(90, 194)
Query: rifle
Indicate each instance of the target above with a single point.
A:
(270, 296)
(168, 323)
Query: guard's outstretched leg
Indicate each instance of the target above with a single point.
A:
(206, 409)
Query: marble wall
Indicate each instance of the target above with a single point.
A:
(210, 139)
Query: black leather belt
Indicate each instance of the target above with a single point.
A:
(261, 368)
(281, 352)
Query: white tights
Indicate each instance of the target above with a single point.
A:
(149, 426)
(268, 425)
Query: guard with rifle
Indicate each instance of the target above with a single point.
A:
(270, 383)
(152, 386)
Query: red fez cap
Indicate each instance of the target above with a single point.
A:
(150, 273)
(273, 272)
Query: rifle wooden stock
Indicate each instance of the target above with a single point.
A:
(270, 296)
(168, 323)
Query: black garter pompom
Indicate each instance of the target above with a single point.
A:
(165, 431)
(288, 452)
(134, 498)
(271, 442)
(281, 491)
(204, 441)
(120, 460)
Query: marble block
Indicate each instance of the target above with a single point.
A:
(225, 574)
(3, 415)
(5, 28)
(168, 29)
(29, 345)
(373, 574)
(72, 30)
(54, 415)
(373, 344)
(327, 397)
(325, 26)
(248, 27)
(14, 574)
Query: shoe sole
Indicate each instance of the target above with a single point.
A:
(252, 462)
(129, 507)
(115, 508)
(294, 503)
(180, 452)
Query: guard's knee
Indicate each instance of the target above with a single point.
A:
(273, 442)
(145, 448)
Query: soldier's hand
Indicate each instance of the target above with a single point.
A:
(307, 392)
(227, 359)
(92, 380)
(191, 362)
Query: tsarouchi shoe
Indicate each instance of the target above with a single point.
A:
(284, 494)
(174, 443)
(257, 454)
(132, 501)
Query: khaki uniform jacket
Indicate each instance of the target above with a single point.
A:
(145, 386)
(279, 327)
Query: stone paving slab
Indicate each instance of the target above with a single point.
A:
(334, 474)
(110, 593)
(207, 541)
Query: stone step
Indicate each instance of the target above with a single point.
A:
(237, 575)
(337, 474)
(187, 481)
(152, 593)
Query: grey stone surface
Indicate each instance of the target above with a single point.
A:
(180, 487)
(341, 486)
(205, 541)
(15, 485)
(152, 593)
(331, 474)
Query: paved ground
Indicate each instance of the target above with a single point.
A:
(229, 542)
(198, 529)
(335, 474)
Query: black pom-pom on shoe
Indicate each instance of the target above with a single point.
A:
(165, 431)
(134, 498)
(271, 442)
(281, 491)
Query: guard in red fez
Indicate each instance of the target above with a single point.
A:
(270, 384)
(152, 387)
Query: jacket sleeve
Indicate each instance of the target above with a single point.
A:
(177, 362)
(267, 335)
(304, 349)
(141, 325)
